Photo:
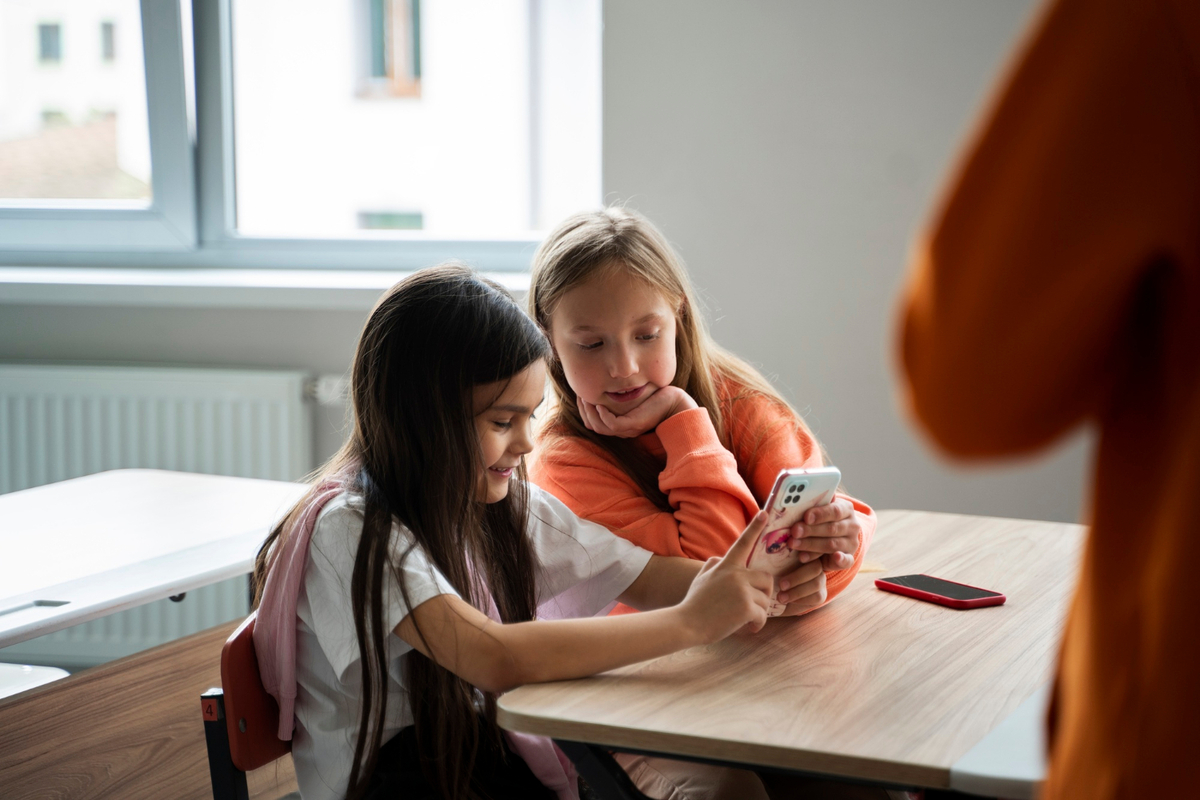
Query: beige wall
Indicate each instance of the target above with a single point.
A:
(790, 150)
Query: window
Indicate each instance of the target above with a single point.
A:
(425, 130)
(108, 42)
(502, 142)
(71, 133)
(393, 47)
(50, 43)
(86, 165)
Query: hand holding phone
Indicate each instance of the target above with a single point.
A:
(831, 533)
(942, 592)
(795, 492)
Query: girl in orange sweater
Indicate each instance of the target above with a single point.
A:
(658, 434)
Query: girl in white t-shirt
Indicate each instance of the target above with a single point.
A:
(422, 576)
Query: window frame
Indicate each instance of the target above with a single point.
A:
(73, 228)
(191, 222)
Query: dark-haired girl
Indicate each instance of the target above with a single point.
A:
(422, 576)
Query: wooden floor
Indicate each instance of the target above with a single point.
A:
(130, 729)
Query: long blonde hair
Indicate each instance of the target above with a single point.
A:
(596, 244)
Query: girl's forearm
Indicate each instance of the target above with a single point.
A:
(549, 650)
(663, 582)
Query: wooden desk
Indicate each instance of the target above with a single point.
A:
(127, 730)
(84, 548)
(874, 686)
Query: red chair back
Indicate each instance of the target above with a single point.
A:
(251, 715)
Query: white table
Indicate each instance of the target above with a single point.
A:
(84, 548)
(17, 678)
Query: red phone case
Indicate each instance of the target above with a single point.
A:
(950, 602)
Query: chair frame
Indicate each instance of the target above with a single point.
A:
(240, 719)
(228, 782)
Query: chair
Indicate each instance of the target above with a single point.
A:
(240, 719)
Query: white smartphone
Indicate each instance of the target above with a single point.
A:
(795, 491)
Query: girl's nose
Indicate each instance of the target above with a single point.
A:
(523, 443)
(623, 364)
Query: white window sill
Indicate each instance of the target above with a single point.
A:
(209, 288)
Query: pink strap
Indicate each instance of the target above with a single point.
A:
(275, 628)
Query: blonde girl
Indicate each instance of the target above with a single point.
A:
(656, 432)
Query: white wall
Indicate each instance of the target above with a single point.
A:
(790, 150)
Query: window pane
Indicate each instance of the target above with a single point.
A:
(469, 118)
(73, 122)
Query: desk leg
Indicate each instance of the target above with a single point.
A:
(601, 771)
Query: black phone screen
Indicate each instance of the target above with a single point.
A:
(955, 591)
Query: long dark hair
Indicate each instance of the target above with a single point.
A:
(414, 455)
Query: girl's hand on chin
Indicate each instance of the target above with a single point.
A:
(658, 406)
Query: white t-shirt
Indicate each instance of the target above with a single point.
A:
(581, 569)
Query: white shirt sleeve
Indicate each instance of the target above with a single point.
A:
(582, 567)
(327, 581)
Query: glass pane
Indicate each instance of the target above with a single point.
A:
(73, 122)
(470, 118)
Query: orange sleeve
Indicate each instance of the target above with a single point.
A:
(710, 501)
(1072, 202)
(766, 439)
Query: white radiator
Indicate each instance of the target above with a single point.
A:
(60, 422)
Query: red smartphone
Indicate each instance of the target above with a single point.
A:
(944, 593)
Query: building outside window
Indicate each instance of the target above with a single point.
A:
(72, 132)
(480, 118)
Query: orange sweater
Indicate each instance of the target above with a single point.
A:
(713, 492)
(1060, 284)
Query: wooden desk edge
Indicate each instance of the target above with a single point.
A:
(749, 754)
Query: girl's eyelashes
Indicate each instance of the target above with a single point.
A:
(641, 337)
(505, 424)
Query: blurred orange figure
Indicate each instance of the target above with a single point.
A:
(1059, 285)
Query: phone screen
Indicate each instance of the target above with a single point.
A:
(955, 591)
